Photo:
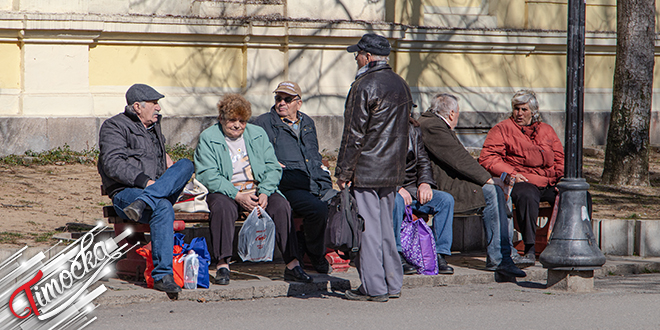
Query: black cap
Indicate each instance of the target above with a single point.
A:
(141, 93)
(371, 43)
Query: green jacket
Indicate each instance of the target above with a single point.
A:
(213, 166)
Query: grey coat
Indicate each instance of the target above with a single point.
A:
(128, 158)
(454, 169)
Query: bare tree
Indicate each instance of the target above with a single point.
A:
(627, 152)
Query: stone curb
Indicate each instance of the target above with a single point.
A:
(120, 293)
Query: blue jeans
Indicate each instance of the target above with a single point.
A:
(441, 206)
(159, 196)
(496, 225)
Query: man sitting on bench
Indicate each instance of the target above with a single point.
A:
(140, 177)
(418, 193)
(304, 182)
(458, 173)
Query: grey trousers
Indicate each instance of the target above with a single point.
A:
(378, 261)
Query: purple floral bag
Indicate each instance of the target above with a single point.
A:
(418, 244)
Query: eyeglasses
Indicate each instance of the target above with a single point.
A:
(287, 99)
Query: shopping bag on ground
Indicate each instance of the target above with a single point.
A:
(177, 262)
(198, 244)
(256, 240)
(192, 198)
(418, 244)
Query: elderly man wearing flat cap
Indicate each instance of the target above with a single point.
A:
(304, 182)
(140, 177)
(372, 161)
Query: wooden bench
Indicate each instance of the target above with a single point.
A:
(133, 264)
(545, 223)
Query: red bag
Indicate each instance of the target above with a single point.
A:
(177, 264)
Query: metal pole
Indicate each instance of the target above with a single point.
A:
(572, 244)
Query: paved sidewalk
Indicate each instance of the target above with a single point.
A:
(265, 280)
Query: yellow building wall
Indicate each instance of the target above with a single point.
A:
(10, 70)
(111, 65)
(518, 14)
(482, 70)
(553, 15)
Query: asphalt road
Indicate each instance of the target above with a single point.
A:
(619, 302)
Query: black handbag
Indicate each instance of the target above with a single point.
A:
(345, 226)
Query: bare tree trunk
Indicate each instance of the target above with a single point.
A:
(627, 153)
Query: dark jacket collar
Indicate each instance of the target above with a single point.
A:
(276, 120)
(373, 67)
(128, 112)
(432, 115)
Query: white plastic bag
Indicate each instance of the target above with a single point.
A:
(256, 240)
(190, 270)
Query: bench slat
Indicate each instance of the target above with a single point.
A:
(110, 213)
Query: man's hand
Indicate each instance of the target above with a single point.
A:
(247, 200)
(424, 193)
(406, 196)
(498, 182)
(150, 182)
(168, 160)
(343, 184)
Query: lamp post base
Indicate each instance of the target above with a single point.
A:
(572, 245)
(571, 280)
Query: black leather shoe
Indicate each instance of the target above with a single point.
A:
(490, 267)
(408, 269)
(222, 276)
(443, 267)
(525, 261)
(320, 264)
(510, 270)
(135, 209)
(167, 284)
(297, 274)
(359, 296)
(522, 262)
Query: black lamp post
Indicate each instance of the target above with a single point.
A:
(572, 244)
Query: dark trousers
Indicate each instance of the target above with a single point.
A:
(526, 197)
(224, 213)
(315, 216)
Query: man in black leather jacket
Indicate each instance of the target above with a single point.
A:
(372, 161)
(419, 191)
(304, 182)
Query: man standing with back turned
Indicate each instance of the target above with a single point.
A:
(372, 161)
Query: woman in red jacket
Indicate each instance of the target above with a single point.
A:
(532, 154)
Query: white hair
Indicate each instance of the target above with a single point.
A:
(443, 104)
(526, 96)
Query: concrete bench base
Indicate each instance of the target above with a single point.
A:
(626, 237)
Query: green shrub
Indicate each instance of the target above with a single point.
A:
(180, 151)
(59, 155)
(64, 155)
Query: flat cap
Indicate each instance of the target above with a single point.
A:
(371, 43)
(288, 87)
(141, 93)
